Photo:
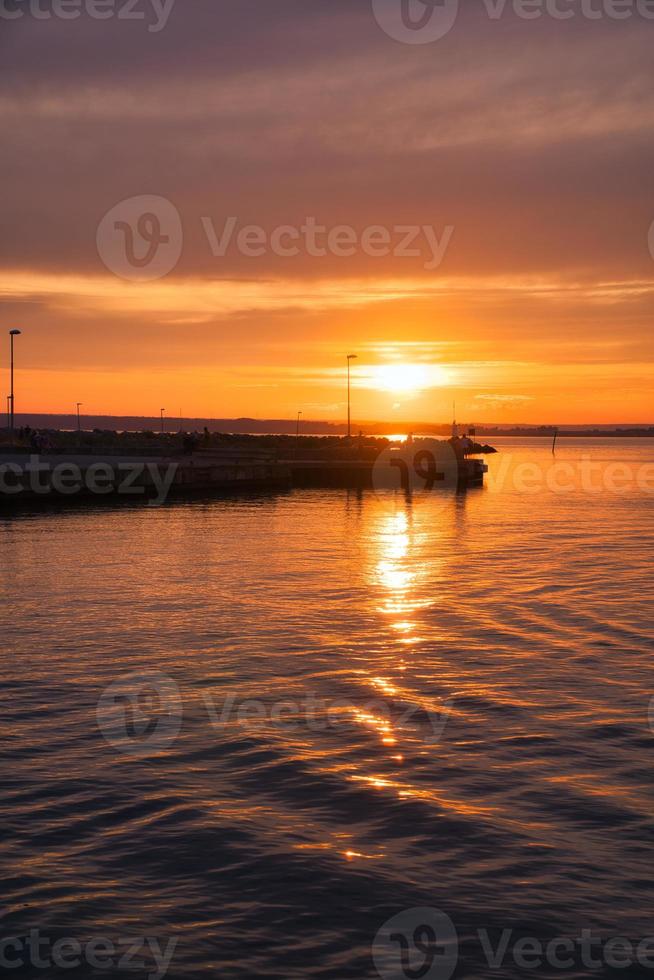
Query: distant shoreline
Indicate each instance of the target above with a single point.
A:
(248, 426)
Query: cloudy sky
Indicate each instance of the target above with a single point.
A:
(523, 147)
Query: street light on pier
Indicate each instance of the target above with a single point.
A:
(162, 410)
(79, 426)
(350, 357)
(12, 334)
(297, 425)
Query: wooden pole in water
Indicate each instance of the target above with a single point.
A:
(556, 432)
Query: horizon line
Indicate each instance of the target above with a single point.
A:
(337, 422)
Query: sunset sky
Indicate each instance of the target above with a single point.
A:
(531, 139)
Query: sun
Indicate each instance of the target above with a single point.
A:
(402, 379)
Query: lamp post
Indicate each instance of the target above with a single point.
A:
(12, 334)
(350, 357)
(297, 425)
(162, 410)
(79, 426)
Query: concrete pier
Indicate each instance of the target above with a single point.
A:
(40, 477)
(468, 472)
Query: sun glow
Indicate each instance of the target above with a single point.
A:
(407, 378)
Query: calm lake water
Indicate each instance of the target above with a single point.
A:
(263, 726)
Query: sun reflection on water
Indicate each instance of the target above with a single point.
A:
(399, 572)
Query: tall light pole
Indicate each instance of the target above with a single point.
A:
(350, 357)
(79, 426)
(297, 425)
(12, 334)
(162, 410)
